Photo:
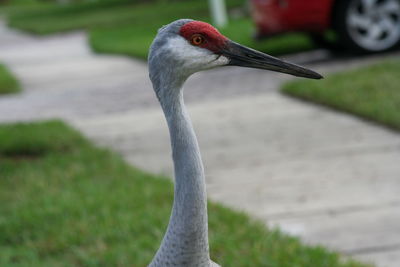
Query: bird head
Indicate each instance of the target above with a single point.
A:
(185, 46)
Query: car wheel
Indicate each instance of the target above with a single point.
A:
(368, 25)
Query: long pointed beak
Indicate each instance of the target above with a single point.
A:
(243, 56)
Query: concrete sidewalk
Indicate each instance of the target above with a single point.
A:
(327, 177)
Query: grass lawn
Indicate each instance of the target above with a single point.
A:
(371, 92)
(68, 203)
(129, 26)
(8, 84)
(11, 7)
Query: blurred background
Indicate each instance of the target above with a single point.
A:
(299, 173)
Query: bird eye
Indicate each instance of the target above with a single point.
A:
(197, 39)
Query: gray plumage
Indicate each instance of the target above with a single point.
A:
(186, 241)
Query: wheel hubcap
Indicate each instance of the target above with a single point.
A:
(374, 24)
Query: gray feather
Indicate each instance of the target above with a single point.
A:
(185, 243)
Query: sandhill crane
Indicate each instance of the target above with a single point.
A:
(179, 50)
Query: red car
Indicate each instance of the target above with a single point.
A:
(366, 25)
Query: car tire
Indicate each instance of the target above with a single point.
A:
(368, 25)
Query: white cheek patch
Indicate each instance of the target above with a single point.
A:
(193, 58)
(220, 61)
(182, 49)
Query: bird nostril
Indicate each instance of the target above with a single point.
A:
(253, 56)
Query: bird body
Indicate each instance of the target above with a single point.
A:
(179, 50)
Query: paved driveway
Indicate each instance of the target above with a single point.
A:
(327, 177)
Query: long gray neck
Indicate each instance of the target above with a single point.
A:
(186, 240)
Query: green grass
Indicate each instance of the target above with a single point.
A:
(107, 13)
(60, 18)
(68, 203)
(12, 7)
(8, 83)
(370, 92)
(128, 27)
